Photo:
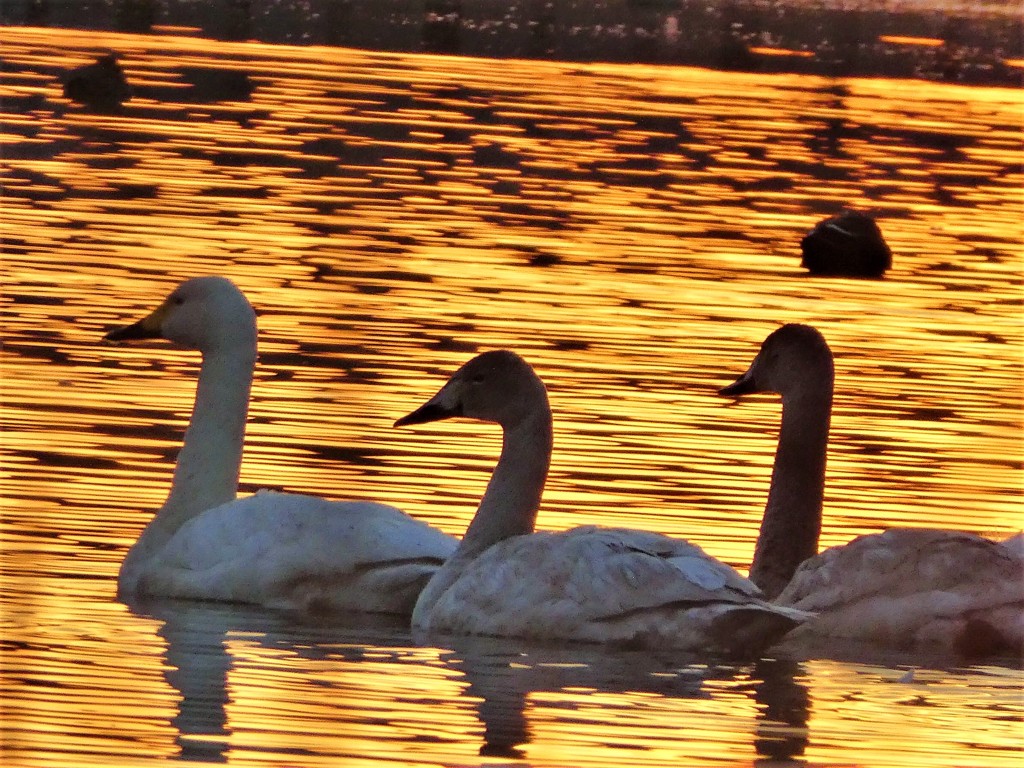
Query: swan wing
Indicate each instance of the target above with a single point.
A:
(901, 562)
(1015, 544)
(606, 585)
(915, 587)
(296, 551)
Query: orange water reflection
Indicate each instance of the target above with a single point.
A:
(632, 230)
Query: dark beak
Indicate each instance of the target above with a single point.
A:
(139, 330)
(744, 385)
(427, 413)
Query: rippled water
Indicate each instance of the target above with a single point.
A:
(633, 231)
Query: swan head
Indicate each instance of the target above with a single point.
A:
(204, 313)
(794, 360)
(497, 386)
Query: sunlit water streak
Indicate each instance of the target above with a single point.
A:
(390, 215)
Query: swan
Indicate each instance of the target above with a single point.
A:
(905, 588)
(274, 549)
(603, 585)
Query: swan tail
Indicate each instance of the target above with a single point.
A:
(746, 630)
(389, 587)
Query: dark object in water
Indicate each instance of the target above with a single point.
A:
(100, 86)
(849, 243)
(213, 85)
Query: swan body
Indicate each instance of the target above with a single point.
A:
(917, 588)
(285, 550)
(1015, 544)
(274, 549)
(608, 585)
(905, 588)
(604, 585)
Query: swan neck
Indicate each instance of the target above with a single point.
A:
(206, 473)
(508, 508)
(510, 503)
(792, 518)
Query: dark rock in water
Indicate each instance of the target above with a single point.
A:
(849, 243)
(100, 86)
(543, 259)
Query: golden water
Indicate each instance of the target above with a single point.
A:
(384, 213)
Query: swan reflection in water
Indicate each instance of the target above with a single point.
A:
(199, 660)
(503, 674)
(500, 676)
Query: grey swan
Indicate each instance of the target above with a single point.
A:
(600, 585)
(920, 588)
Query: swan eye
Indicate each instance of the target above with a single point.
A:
(478, 378)
(177, 300)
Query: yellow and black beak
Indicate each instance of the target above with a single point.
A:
(149, 327)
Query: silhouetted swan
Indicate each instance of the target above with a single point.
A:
(591, 584)
(273, 549)
(905, 588)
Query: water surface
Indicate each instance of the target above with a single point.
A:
(634, 232)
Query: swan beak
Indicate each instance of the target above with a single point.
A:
(148, 327)
(744, 385)
(432, 411)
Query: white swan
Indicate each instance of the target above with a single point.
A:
(904, 588)
(591, 584)
(274, 549)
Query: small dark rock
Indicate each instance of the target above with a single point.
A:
(544, 259)
(101, 85)
(849, 243)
